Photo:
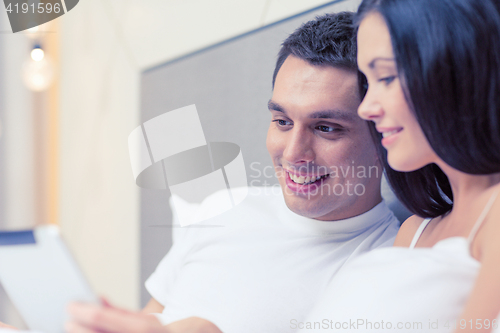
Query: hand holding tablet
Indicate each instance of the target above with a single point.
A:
(41, 277)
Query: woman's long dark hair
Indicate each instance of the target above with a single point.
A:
(448, 55)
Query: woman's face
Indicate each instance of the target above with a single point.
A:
(385, 103)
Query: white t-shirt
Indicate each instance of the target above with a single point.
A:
(399, 289)
(264, 267)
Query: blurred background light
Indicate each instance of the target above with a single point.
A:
(38, 71)
(37, 54)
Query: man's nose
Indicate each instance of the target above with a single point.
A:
(299, 147)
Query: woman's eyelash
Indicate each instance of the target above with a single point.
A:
(388, 79)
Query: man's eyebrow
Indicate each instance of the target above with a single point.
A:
(275, 107)
(334, 114)
(323, 114)
(374, 61)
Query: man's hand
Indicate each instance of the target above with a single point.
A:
(2, 325)
(89, 318)
(192, 325)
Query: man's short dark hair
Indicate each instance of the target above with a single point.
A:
(328, 40)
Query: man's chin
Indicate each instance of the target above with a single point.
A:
(302, 205)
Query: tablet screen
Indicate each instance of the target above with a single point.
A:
(40, 277)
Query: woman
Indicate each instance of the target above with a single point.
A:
(433, 74)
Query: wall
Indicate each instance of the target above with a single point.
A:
(17, 167)
(98, 108)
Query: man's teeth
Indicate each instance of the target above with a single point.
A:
(386, 134)
(305, 180)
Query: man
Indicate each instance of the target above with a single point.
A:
(268, 266)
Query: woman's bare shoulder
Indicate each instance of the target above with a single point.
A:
(490, 233)
(408, 230)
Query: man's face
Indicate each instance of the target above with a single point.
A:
(322, 151)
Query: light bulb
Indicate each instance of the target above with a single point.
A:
(37, 54)
(38, 71)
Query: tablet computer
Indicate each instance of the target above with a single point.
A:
(40, 277)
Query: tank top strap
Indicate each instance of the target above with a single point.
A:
(481, 217)
(419, 232)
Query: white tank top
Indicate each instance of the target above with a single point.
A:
(402, 289)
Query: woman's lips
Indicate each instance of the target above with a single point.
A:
(389, 135)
